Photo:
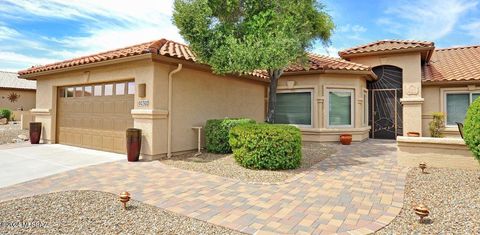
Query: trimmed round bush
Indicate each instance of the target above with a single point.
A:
(471, 129)
(267, 146)
(5, 113)
(216, 133)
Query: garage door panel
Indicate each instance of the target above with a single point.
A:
(97, 122)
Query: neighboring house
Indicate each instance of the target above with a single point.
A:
(16, 93)
(159, 88)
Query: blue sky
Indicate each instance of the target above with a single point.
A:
(34, 32)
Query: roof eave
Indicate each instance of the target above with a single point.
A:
(370, 75)
(387, 52)
(33, 76)
(449, 82)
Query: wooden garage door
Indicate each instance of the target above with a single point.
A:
(95, 116)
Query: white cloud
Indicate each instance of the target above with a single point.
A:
(473, 29)
(12, 61)
(102, 25)
(327, 50)
(425, 19)
(7, 33)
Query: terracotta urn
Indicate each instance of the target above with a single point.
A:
(134, 143)
(35, 132)
(413, 134)
(346, 139)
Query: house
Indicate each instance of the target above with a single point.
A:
(15, 93)
(378, 90)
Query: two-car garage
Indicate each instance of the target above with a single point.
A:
(95, 115)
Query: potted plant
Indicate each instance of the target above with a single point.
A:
(413, 134)
(346, 139)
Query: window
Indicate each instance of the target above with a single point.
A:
(131, 88)
(70, 92)
(108, 90)
(340, 108)
(97, 90)
(78, 91)
(365, 108)
(294, 108)
(457, 105)
(61, 92)
(120, 89)
(87, 91)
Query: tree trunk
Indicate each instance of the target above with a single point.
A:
(272, 95)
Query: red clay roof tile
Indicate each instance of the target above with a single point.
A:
(176, 50)
(453, 64)
(385, 46)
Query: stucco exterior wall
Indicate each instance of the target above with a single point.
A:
(435, 102)
(319, 84)
(412, 100)
(26, 99)
(201, 95)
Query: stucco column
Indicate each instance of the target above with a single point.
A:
(412, 114)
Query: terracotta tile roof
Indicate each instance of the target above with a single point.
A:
(11, 80)
(162, 47)
(385, 46)
(321, 62)
(176, 50)
(453, 64)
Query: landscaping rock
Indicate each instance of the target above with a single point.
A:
(453, 197)
(89, 212)
(3, 121)
(9, 133)
(23, 137)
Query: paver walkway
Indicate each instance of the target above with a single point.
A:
(358, 190)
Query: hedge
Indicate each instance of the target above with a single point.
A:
(216, 133)
(267, 146)
(471, 128)
(5, 113)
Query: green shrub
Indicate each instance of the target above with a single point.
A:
(5, 113)
(437, 124)
(267, 146)
(471, 129)
(216, 133)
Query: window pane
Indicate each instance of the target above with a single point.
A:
(475, 96)
(340, 108)
(294, 108)
(457, 105)
(78, 91)
(97, 90)
(87, 91)
(61, 92)
(70, 92)
(131, 88)
(108, 89)
(120, 89)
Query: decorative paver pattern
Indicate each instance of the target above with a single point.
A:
(357, 190)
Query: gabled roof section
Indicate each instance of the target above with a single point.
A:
(388, 46)
(161, 47)
(321, 62)
(11, 80)
(457, 64)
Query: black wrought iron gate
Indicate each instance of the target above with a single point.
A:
(385, 109)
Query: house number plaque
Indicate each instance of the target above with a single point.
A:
(143, 103)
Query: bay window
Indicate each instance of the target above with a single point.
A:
(457, 104)
(294, 108)
(340, 108)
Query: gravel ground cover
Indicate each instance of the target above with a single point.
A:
(453, 197)
(224, 164)
(90, 212)
(11, 131)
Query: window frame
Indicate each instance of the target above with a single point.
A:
(287, 91)
(459, 92)
(366, 115)
(352, 107)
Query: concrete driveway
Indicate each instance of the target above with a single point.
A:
(35, 161)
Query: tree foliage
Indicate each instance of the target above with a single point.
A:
(240, 36)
